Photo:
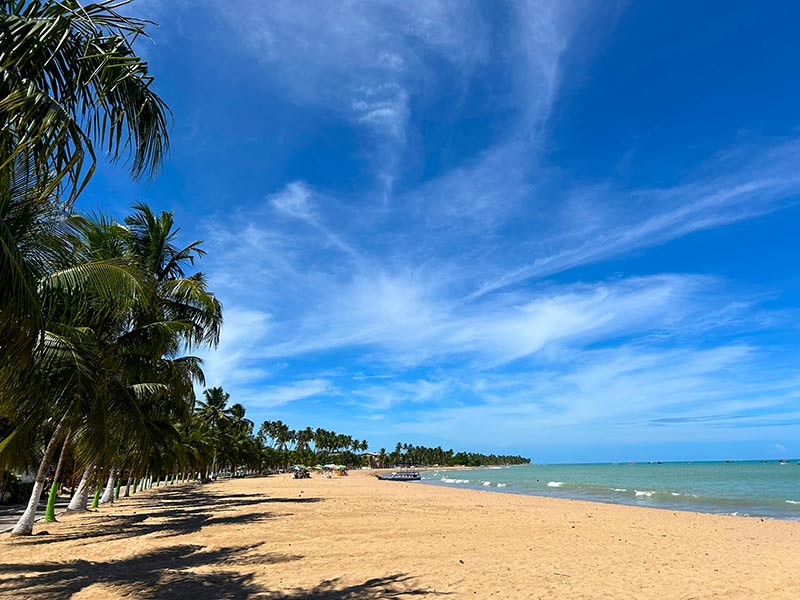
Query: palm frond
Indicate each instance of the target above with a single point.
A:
(69, 78)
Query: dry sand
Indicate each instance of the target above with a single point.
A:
(357, 537)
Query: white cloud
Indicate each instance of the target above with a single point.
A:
(633, 219)
(295, 201)
(271, 396)
(612, 395)
(235, 361)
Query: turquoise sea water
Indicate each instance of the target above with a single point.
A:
(748, 488)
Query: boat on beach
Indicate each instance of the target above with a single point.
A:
(400, 476)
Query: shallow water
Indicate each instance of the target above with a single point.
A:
(748, 488)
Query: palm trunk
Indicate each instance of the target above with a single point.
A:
(128, 487)
(25, 524)
(50, 511)
(96, 499)
(140, 485)
(81, 495)
(108, 494)
(119, 485)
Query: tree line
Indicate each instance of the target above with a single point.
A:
(233, 444)
(408, 454)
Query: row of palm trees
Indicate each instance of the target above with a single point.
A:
(309, 446)
(110, 382)
(409, 454)
(235, 446)
(97, 317)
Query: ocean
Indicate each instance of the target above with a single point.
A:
(745, 488)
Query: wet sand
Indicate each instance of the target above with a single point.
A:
(357, 537)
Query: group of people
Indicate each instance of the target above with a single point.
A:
(299, 472)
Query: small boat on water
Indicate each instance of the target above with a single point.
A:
(400, 476)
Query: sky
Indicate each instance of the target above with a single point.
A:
(560, 229)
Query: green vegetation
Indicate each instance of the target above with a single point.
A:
(91, 331)
(408, 454)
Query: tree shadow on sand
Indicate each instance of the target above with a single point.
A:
(172, 512)
(185, 570)
(391, 586)
(172, 574)
(168, 573)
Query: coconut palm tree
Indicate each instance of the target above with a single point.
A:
(132, 349)
(70, 81)
(213, 409)
(59, 386)
(238, 420)
(213, 412)
(137, 386)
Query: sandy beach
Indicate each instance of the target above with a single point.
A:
(357, 537)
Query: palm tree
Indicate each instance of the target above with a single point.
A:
(69, 81)
(238, 420)
(304, 438)
(180, 310)
(213, 410)
(110, 365)
(59, 386)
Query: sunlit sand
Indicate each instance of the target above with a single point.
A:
(357, 537)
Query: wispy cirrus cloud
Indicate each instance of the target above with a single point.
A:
(363, 61)
(278, 395)
(727, 189)
(607, 396)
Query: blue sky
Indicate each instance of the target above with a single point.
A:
(561, 229)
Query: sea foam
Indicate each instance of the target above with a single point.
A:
(555, 483)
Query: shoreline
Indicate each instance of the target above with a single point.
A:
(514, 492)
(358, 537)
(709, 489)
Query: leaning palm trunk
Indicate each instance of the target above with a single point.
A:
(81, 496)
(128, 487)
(143, 480)
(25, 524)
(108, 494)
(96, 499)
(50, 511)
